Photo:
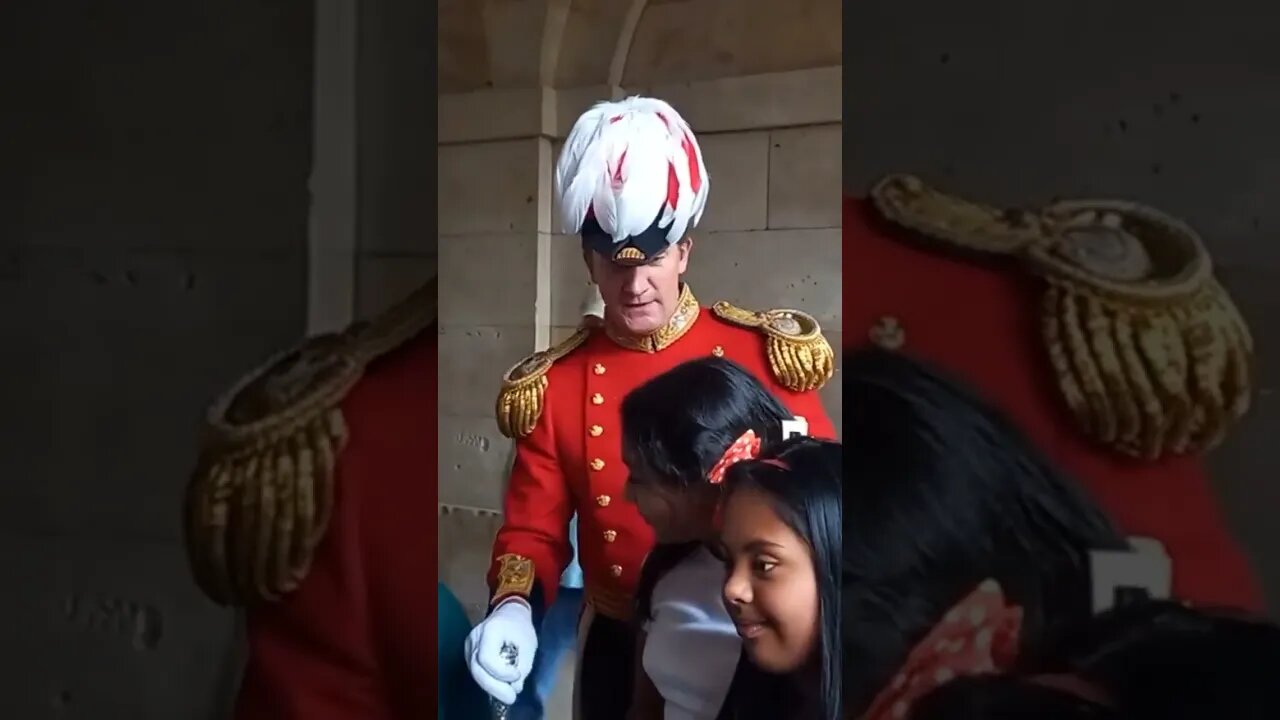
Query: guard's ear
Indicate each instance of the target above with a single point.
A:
(1124, 577)
(683, 248)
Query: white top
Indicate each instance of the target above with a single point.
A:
(691, 647)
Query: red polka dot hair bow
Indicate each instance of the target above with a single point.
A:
(979, 635)
(746, 447)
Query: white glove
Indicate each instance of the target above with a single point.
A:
(490, 647)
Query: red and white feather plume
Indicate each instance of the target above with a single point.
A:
(624, 162)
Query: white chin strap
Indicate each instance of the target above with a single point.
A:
(1145, 571)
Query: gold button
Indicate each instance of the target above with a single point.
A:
(888, 333)
(598, 369)
(596, 431)
(597, 399)
(610, 535)
(615, 570)
(603, 500)
(718, 351)
(597, 464)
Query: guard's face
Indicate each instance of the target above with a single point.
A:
(771, 590)
(639, 299)
(676, 516)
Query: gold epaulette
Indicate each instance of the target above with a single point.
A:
(799, 354)
(524, 387)
(262, 493)
(1150, 353)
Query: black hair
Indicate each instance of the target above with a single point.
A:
(676, 427)
(941, 493)
(1003, 697)
(804, 487)
(1154, 660)
(1161, 660)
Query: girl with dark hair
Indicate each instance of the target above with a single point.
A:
(963, 546)
(680, 432)
(781, 543)
(1146, 661)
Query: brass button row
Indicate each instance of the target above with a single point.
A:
(598, 464)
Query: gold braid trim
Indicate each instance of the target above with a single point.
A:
(907, 201)
(799, 354)
(398, 325)
(1150, 353)
(515, 577)
(262, 493)
(524, 386)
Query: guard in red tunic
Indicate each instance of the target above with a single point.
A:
(631, 182)
(306, 511)
(1097, 325)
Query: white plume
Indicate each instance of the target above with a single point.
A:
(618, 161)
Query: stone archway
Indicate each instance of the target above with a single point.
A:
(506, 53)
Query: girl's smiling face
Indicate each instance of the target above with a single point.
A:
(771, 590)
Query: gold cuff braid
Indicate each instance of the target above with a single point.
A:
(515, 576)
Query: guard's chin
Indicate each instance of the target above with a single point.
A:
(641, 323)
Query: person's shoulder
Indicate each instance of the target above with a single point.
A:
(525, 386)
(276, 434)
(798, 354)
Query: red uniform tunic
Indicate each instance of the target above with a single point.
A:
(357, 639)
(981, 322)
(571, 460)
